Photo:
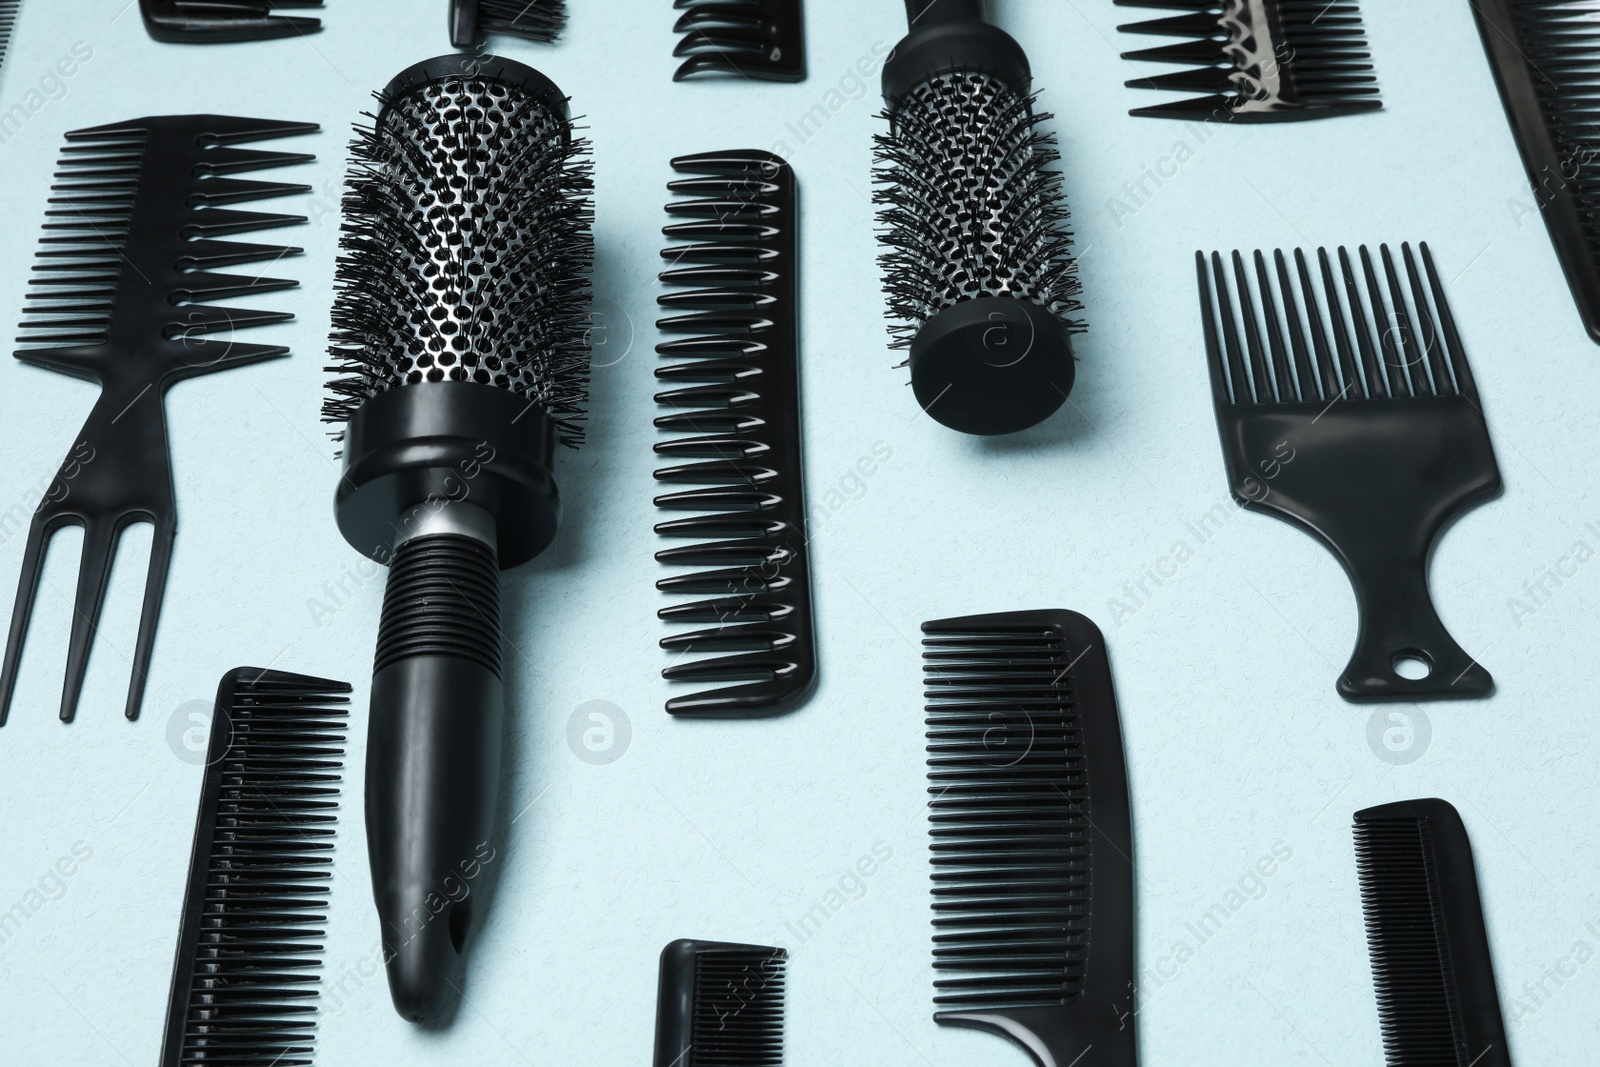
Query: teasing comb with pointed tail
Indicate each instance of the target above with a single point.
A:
(119, 297)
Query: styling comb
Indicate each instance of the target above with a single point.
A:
(1032, 836)
(977, 267)
(736, 391)
(245, 983)
(8, 22)
(1544, 55)
(761, 39)
(1430, 953)
(120, 296)
(534, 20)
(1362, 428)
(720, 1005)
(222, 21)
(1259, 60)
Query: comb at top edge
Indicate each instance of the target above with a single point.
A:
(1430, 953)
(762, 39)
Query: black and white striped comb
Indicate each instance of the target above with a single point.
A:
(1259, 60)
(735, 390)
(244, 986)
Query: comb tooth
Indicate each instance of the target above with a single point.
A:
(1447, 323)
(1201, 80)
(720, 498)
(723, 207)
(236, 160)
(719, 16)
(206, 254)
(1394, 385)
(722, 230)
(718, 472)
(194, 320)
(1432, 350)
(719, 254)
(1377, 382)
(216, 191)
(204, 285)
(742, 553)
(1204, 53)
(1302, 358)
(224, 222)
(720, 46)
(1260, 384)
(732, 581)
(728, 165)
(1356, 384)
(761, 666)
(1198, 24)
(1284, 383)
(1331, 389)
(732, 609)
(1220, 392)
(719, 299)
(743, 526)
(751, 637)
(1403, 343)
(1197, 107)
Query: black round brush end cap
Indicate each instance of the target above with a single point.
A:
(993, 365)
(465, 65)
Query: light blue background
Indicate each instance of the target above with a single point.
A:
(1236, 741)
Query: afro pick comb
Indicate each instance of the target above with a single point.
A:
(1259, 60)
(120, 297)
(762, 39)
(222, 21)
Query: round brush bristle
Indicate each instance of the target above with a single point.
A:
(970, 206)
(467, 244)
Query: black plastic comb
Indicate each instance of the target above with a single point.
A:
(762, 39)
(720, 1005)
(244, 986)
(222, 21)
(1364, 429)
(1545, 56)
(8, 22)
(1032, 836)
(121, 292)
(1425, 935)
(736, 390)
(1259, 60)
(536, 20)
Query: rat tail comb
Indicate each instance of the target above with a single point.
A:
(224, 21)
(534, 20)
(1259, 60)
(735, 387)
(244, 985)
(120, 296)
(763, 39)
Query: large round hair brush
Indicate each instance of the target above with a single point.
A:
(978, 270)
(460, 335)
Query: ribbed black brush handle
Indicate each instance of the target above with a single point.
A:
(433, 758)
(921, 13)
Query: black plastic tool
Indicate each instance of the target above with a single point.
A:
(983, 309)
(736, 390)
(119, 297)
(1259, 60)
(720, 1005)
(461, 333)
(1032, 836)
(536, 20)
(760, 39)
(245, 982)
(1430, 953)
(223, 21)
(1544, 56)
(1365, 430)
(8, 22)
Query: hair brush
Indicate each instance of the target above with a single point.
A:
(460, 329)
(978, 271)
(535, 20)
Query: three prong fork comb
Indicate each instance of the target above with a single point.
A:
(1365, 430)
(222, 21)
(763, 39)
(1259, 60)
(121, 285)
(736, 389)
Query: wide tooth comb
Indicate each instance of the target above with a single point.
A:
(762, 39)
(120, 283)
(1545, 57)
(1258, 60)
(737, 394)
(1425, 934)
(244, 986)
(222, 21)
(1032, 842)
(1346, 407)
(720, 1005)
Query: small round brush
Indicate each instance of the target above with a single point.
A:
(460, 335)
(978, 270)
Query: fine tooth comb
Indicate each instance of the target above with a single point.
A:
(8, 22)
(120, 297)
(736, 390)
(720, 1005)
(763, 39)
(1259, 60)
(244, 986)
(222, 21)
(1032, 836)
(1544, 55)
(1426, 939)
(1362, 428)
(536, 20)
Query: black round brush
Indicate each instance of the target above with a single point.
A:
(460, 330)
(978, 269)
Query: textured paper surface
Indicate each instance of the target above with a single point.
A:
(1237, 744)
